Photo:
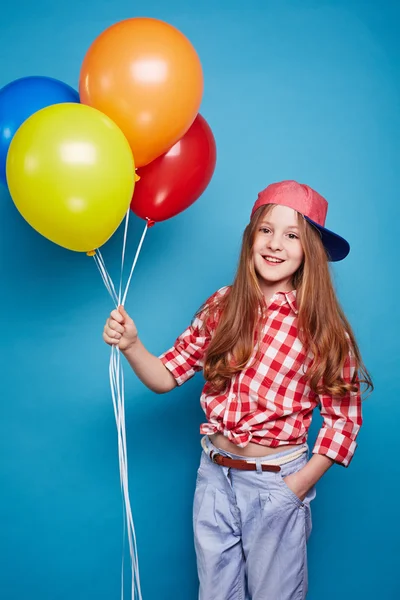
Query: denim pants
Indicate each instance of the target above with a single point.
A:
(250, 531)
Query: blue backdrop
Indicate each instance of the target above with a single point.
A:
(293, 89)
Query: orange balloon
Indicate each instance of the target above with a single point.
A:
(146, 76)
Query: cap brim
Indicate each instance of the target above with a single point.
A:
(336, 246)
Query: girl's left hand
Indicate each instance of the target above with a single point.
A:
(296, 484)
(301, 482)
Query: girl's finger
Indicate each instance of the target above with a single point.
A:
(123, 312)
(109, 340)
(111, 333)
(117, 316)
(115, 326)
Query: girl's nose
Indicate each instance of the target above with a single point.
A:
(274, 243)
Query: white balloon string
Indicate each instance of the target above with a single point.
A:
(107, 285)
(101, 261)
(123, 254)
(118, 395)
(134, 553)
(121, 425)
(117, 390)
(121, 465)
(121, 454)
(118, 398)
(131, 528)
(134, 263)
(105, 277)
(116, 369)
(116, 404)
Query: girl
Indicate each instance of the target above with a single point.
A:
(272, 346)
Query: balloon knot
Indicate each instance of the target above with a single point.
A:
(150, 222)
(137, 177)
(91, 253)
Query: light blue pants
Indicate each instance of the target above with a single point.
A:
(250, 532)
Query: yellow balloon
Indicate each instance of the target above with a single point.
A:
(71, 175)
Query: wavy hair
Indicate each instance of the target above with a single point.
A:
(322, 324)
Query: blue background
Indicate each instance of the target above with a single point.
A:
(293, 89)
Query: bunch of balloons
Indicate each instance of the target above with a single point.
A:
(132, 137)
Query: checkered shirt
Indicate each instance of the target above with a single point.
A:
(269, 402)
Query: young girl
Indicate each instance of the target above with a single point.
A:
(272, 346)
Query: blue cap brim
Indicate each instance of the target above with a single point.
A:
(337, 247)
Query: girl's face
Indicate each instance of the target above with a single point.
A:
(277, 251)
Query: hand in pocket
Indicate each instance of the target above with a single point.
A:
(296, 485)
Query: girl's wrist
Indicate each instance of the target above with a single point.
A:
(129, 348)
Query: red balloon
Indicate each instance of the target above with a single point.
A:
(174, 180)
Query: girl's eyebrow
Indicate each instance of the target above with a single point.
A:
(271, 225)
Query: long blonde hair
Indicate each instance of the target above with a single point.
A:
(322, 325)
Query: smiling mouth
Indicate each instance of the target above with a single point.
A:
(273, 260)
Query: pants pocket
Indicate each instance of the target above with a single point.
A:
(289, 469)
(289, 493)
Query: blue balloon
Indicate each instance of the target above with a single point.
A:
(22, 98)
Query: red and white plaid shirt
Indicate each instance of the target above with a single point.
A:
(269, 402)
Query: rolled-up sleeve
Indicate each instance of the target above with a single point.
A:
(342, 421)
(186, 356)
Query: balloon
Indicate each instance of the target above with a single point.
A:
(22, 98)
(70, 172)
(172, 182)
(146, 76)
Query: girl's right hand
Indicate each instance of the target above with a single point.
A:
(120, 330)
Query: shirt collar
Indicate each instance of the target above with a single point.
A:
(287, 297)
